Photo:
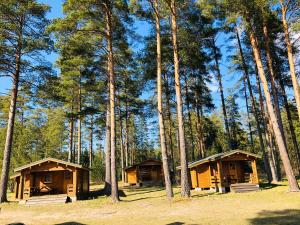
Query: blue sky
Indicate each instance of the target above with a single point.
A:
(142, 29)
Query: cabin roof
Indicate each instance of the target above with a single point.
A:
(155, 162)
(49, 159)
(218, 156)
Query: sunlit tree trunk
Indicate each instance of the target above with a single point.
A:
(10, 129)
(121, 142)
(290, 122)
(248, 114)
(290, 54)
(255, 111)
(163, 146)
(273, 82)
(190, 123)
(185, 186)
(91, 142)
(126, 132)
(170, 125)
(79, 123)
(268, 132)
(71, 134)
(107, 185)
(114, 182)
(293, 185)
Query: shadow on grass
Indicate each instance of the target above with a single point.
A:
(206, 194)
(266, 186)
(97, 193)
(145, 191)
(280, 217)
(139, 199)
(16, 224)
(70, 223)
(175, 223)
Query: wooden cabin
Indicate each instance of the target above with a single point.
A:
(51, 176)
(233, 170)
(148, 172)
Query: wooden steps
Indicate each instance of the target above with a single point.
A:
(243, 187)
(44, 200)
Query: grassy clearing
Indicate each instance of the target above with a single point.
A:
(272, 205)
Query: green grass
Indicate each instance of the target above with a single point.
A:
(271, 205)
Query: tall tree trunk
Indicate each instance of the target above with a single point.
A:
(114, 181)
(74, 148)
(248, 114)
(290, 122)
(126, 131)
(71, 139)
(255, 111)
(79, 124)
(164, 152)
(107, 185)
(185, 186)
(268, 132)
(121, 142)
(91, 142)
(290, 55)
(190, 123)
(293, 185)
(10, 130)
(71, 133)
(219, 78)
(273, 82)
(199, 128)
(170, 127)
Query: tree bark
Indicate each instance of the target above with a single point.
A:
(273, 82)
(268, 132)
(255, 111)
(91, 142)
(190, 123)
(127, 131)
(71, 139)
(10, 130)
(185, 186)
(248, 114)
(79, 123)
(293, 185)
(290, 122)
(114, 181)
(290, 56)
(121, 142)
(107, 185)
(170, 130)
(71, 133)
(163, 146)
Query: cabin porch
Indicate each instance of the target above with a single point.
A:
(51, 177)
(222, 172)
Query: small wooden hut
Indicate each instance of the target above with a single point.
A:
(148, 172)
(233, 170)
(51, 176)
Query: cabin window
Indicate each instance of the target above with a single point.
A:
(68, 175)
(48, 178)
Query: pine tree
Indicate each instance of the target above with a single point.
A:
(22, 22)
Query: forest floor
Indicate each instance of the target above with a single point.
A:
(272, 205)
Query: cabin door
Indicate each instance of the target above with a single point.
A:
(232, 172)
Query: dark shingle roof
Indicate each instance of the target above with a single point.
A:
(52, 160)
(218, 156)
